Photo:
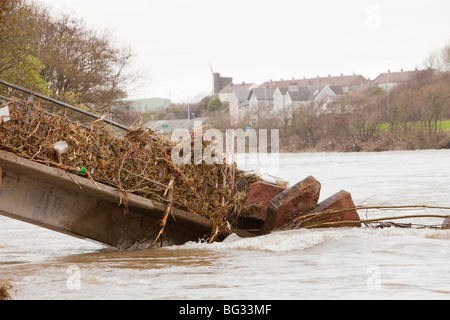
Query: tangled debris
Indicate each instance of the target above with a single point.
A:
(310, 221)
(5, 287)
(138, 162)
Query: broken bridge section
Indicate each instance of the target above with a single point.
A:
(57, 200)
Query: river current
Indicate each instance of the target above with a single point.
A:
(349, 263)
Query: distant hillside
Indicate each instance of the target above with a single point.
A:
(149, 105)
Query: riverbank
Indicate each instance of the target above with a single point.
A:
(381, 141)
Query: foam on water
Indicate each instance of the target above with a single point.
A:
(295, 240)
(275, 242)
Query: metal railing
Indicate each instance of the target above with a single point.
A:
(32, 95)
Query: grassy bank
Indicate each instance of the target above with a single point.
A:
(413, 137)
(441, 126)
(445, 125)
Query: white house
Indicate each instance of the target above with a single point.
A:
(279, 99)
(261, 99)
(260, 104)
(279, 102)
(226, 93)
(239, 104)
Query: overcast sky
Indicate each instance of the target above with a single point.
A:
(258, 40)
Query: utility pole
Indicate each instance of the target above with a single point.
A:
(388, 97)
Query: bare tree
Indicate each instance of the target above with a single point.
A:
(60, 56)
(81, 65)
(445, 56)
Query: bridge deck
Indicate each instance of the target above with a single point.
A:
(55, 199)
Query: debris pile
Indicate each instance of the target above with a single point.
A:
(138, 162)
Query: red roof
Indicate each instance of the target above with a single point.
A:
(236, 87)
(389, 77)
(339, 81)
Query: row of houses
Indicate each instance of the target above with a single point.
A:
(284, 96)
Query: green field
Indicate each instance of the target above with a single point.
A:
(443, 125)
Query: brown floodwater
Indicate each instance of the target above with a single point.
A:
(361, 263)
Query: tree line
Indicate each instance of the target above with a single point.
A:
(61, 57)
